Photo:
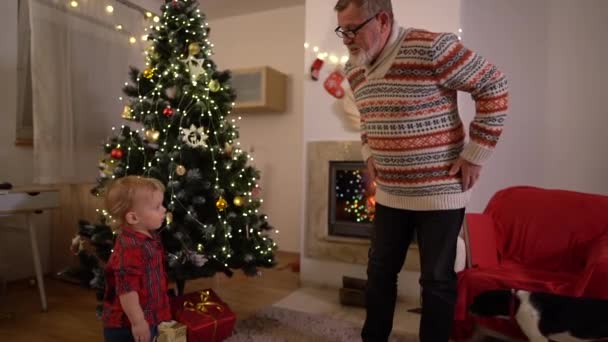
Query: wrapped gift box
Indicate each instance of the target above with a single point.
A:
(171, 332)
(206, 316)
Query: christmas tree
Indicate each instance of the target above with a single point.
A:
(178, 131)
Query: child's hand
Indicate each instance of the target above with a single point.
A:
(139, 326)
(141, 331)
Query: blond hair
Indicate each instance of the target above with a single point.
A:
(370, 7)
(121, 193)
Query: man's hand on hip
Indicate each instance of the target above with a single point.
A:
(371, 168)
(469, 172)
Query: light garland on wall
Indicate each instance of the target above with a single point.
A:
(323, 54)
(111, 10)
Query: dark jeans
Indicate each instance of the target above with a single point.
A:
(124, 334)
(437, 233)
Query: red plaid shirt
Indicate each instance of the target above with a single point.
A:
(136, 264)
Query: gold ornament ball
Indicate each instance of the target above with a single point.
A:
(152, 135)
(148, 73)
(194, 49)
(126, 113)
(169, 217)
(221, 204)
(180, 170)
(238, 201)
(214, 85)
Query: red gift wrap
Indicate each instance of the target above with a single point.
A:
(206, 316)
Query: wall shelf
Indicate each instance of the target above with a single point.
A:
(259, 89)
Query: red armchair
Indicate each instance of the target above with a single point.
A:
(533, 239)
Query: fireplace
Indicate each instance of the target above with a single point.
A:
(331, 234)
(351, 200)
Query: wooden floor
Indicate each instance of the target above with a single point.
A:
(71, 315)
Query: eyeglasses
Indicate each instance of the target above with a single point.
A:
(351, 34)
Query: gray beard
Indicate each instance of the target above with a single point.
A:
(361, 59)
(364, 58)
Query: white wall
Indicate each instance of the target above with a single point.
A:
(273, 38)
(512, 35)
(551, 53)
(323, 121)
(576, 117)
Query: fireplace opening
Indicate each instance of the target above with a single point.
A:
(351, 200)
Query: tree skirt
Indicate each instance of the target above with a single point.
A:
(274, 324)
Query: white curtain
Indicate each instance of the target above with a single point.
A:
(79, 64)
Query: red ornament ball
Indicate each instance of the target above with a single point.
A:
(116, 153)
(168, 112)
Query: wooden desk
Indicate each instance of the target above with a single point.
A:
(28, 200)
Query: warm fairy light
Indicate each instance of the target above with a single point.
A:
(132, 40)
(74, 4)
(110, 9)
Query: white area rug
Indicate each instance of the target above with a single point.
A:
(274, 324)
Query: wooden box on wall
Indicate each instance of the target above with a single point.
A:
(259, 89)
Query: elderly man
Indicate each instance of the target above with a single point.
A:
(405, 83)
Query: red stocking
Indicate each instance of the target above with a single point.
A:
(315, 68)
(333, 84)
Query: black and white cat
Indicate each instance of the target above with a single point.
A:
(545, 316)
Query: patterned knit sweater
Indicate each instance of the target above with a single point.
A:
(410, 122)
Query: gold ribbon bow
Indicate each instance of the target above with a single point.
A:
(201, 307)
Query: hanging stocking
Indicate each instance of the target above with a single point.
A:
(315, 68)
(333, 84)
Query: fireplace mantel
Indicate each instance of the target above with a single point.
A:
(318, 243)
